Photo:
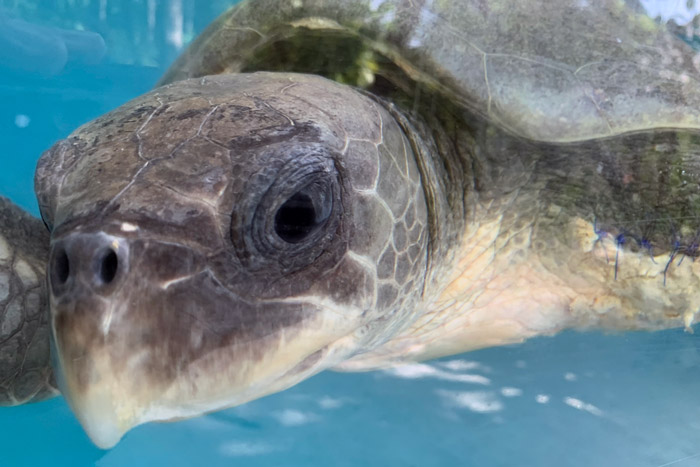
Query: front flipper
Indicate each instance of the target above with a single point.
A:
(25, 370)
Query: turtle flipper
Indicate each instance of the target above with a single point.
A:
(25, 370)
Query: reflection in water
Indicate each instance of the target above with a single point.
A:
(28, 47)
(476, 401)
(580, 405)
(479, 401)
(542, 398)
(175, 31)
(245, 448)
(511, 392)
(136, 32)
(292, 417)
(680, 11)
(329, 403)
(421, 370)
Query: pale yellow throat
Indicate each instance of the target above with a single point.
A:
(506, 288)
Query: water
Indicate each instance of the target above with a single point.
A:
(574, 400)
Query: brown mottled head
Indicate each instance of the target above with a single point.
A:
(220, 239)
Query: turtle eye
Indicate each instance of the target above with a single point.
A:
(304, 213)
(296, 220)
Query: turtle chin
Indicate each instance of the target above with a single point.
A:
(114, 383)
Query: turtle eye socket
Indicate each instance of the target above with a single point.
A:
(304, 213)
(296, 220)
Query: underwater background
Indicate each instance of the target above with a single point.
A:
(571, 400)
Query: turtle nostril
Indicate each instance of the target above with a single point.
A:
(86, 263)
(109, 266)
(61, 267)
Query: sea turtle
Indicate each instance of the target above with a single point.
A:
(354, 184)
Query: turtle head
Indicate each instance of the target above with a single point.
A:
(218, 240)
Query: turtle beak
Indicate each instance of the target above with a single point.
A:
(99, 403)
(100, 421)
(85, 270)
(92, 403)
(95, 410)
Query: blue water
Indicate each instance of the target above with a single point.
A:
(572, 400)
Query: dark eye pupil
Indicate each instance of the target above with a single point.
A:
(296, 218)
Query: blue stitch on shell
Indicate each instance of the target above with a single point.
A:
(646, 244)
(674, 252)
(601, 234)
(619, 241)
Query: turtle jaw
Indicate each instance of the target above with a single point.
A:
(86, 377)
(109, 397)
(95, 411)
